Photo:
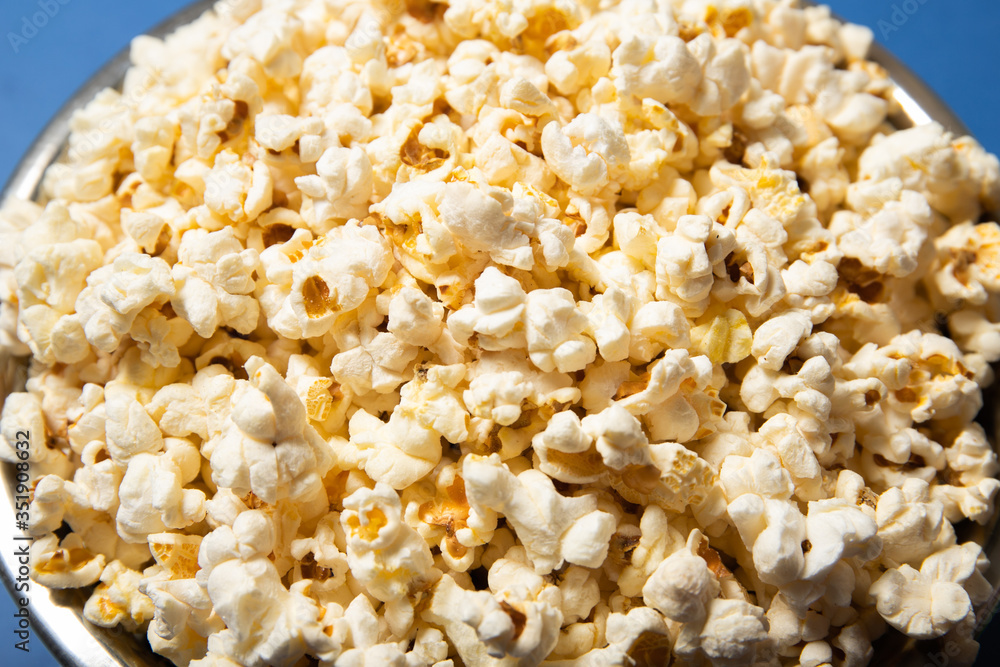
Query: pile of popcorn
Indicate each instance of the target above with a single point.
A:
(508, 332)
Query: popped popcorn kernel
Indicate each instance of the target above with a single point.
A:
(497, 332)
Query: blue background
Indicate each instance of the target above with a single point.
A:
(951, 44)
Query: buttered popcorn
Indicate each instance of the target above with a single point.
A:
(493, 333)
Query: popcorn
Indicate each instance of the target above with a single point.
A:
(912, 525)
(236, 191)
(387, 556)
(309, 285)
(153, 498)
(929, 164)
(965, 255)
(516, 332)
(49, 281)
(448, 519)
(115, 295)
(571, 70)
(497, 310)
(64, 563)
(553, 528)
(659, 68)
(117, 599)
(553, 332)
(890, 240)
(398, 452)
(521, 621)
(257, 621)
(730, 634)
(340, 190)
(378, 364)
(775, 339)
(656, 326)
(503, 381)
(268, 447)
(681, 588)
(589, 154)
(683, 267)
(941, 578)
(23, 421)
(183, 618)
(214, 282)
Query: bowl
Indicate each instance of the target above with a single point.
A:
(57, 615)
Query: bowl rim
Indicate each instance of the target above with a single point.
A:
(56, 616)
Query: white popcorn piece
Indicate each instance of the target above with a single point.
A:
(521, 620)
(398, 452)
(266, 622)
(448, 520)
(571, 70)
(340, 190)
(415, 318)
(155, 137)
(609, 324)
(973, 488)
(268, 446)
(730, 634)
(496, 314)
(726, 78)
(153, 498)
(975, 333)
(553, 528)
(159, 338)
(911, 524)
(23, 435)
(380, 363)
(924, 159)
(682, 588)
(214, 282)
(656, 326)
(183, 618)
(928, 602)
(554, 329)
(449, 608)
(966, 262)
(237, 191)
(589, 154)
(308, 284)
(666, 376)
(116, 294)
(659, 68)
(775, 339)
(564, 450)
(387, 556)
(325, 400)
(890, 240)
(49, 279)
(501, 382)
(433, 221)
(684, 259)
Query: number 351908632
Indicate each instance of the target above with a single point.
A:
(22, 447)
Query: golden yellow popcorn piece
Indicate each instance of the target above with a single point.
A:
(726, 338)
(176, 553)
